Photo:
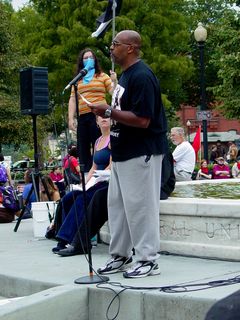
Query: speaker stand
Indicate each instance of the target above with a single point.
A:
(35, 176)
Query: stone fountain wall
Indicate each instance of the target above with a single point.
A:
(207, 228)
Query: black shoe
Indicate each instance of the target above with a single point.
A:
(70, 251)
(59, 247)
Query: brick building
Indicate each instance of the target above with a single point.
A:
(218, 127)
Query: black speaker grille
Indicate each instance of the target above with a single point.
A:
(34, 96)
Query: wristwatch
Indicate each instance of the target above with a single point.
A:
(108, 113)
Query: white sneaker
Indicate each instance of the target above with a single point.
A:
(115, 264)
(142, 269)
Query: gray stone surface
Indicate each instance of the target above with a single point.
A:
(207, 228)
(28, 268)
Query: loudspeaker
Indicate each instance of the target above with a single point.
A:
(34, 91)
(227, 308)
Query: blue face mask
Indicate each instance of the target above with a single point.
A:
(89, 63)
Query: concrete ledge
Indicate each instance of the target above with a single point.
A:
(88, 303)
(17, 287)
(218, 208)
(147, 305)
(201, 227)
(60, 303)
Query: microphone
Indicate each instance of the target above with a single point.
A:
(81, 74)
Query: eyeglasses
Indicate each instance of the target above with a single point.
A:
(117, 43)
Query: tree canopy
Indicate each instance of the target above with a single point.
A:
(14, 128)
(51, 34)
(226, 59)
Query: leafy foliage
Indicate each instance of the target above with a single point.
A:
(209, 13)
(51, 34)
(226, 58)
(13, 127)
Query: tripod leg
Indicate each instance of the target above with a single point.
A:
(35, 183)
(23, 209)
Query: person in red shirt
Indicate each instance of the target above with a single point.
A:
(56, 174)
(221, 170)
(71, 167)
(203, 172)
(58, 179)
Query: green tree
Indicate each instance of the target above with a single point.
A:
(53, 33)
(226, 58)
(212, 14)
(13, 127)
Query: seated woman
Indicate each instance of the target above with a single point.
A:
(51, 188)
(58, 179)
(221, 170)
(236, 169)
(97, 215)
(203, 172)
(73, 202)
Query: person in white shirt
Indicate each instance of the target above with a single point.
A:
(183, 155)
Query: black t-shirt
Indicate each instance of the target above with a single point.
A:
(138, 91)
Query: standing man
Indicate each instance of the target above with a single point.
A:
(138, 142)
(221, 152)
(183, 156)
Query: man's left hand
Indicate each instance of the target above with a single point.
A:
(99, 110)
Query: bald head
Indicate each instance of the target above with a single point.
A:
(125, 48)
(130, 36)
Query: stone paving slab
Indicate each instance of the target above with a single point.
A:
(28, 264)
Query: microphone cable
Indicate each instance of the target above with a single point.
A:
(74, 197)
(186, 287)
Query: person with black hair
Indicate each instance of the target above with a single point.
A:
(221, 152)
(71, 167)
(92, 87)
(69, 147)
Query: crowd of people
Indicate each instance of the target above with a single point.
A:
(222, 164)
(129, 139)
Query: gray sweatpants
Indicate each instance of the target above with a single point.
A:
(133, 207)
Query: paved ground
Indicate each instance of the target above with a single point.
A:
(25, 257)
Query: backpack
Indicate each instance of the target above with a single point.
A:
(10, 198)
(3, 174)
(69, 176)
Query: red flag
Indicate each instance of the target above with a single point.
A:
(197, 141)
